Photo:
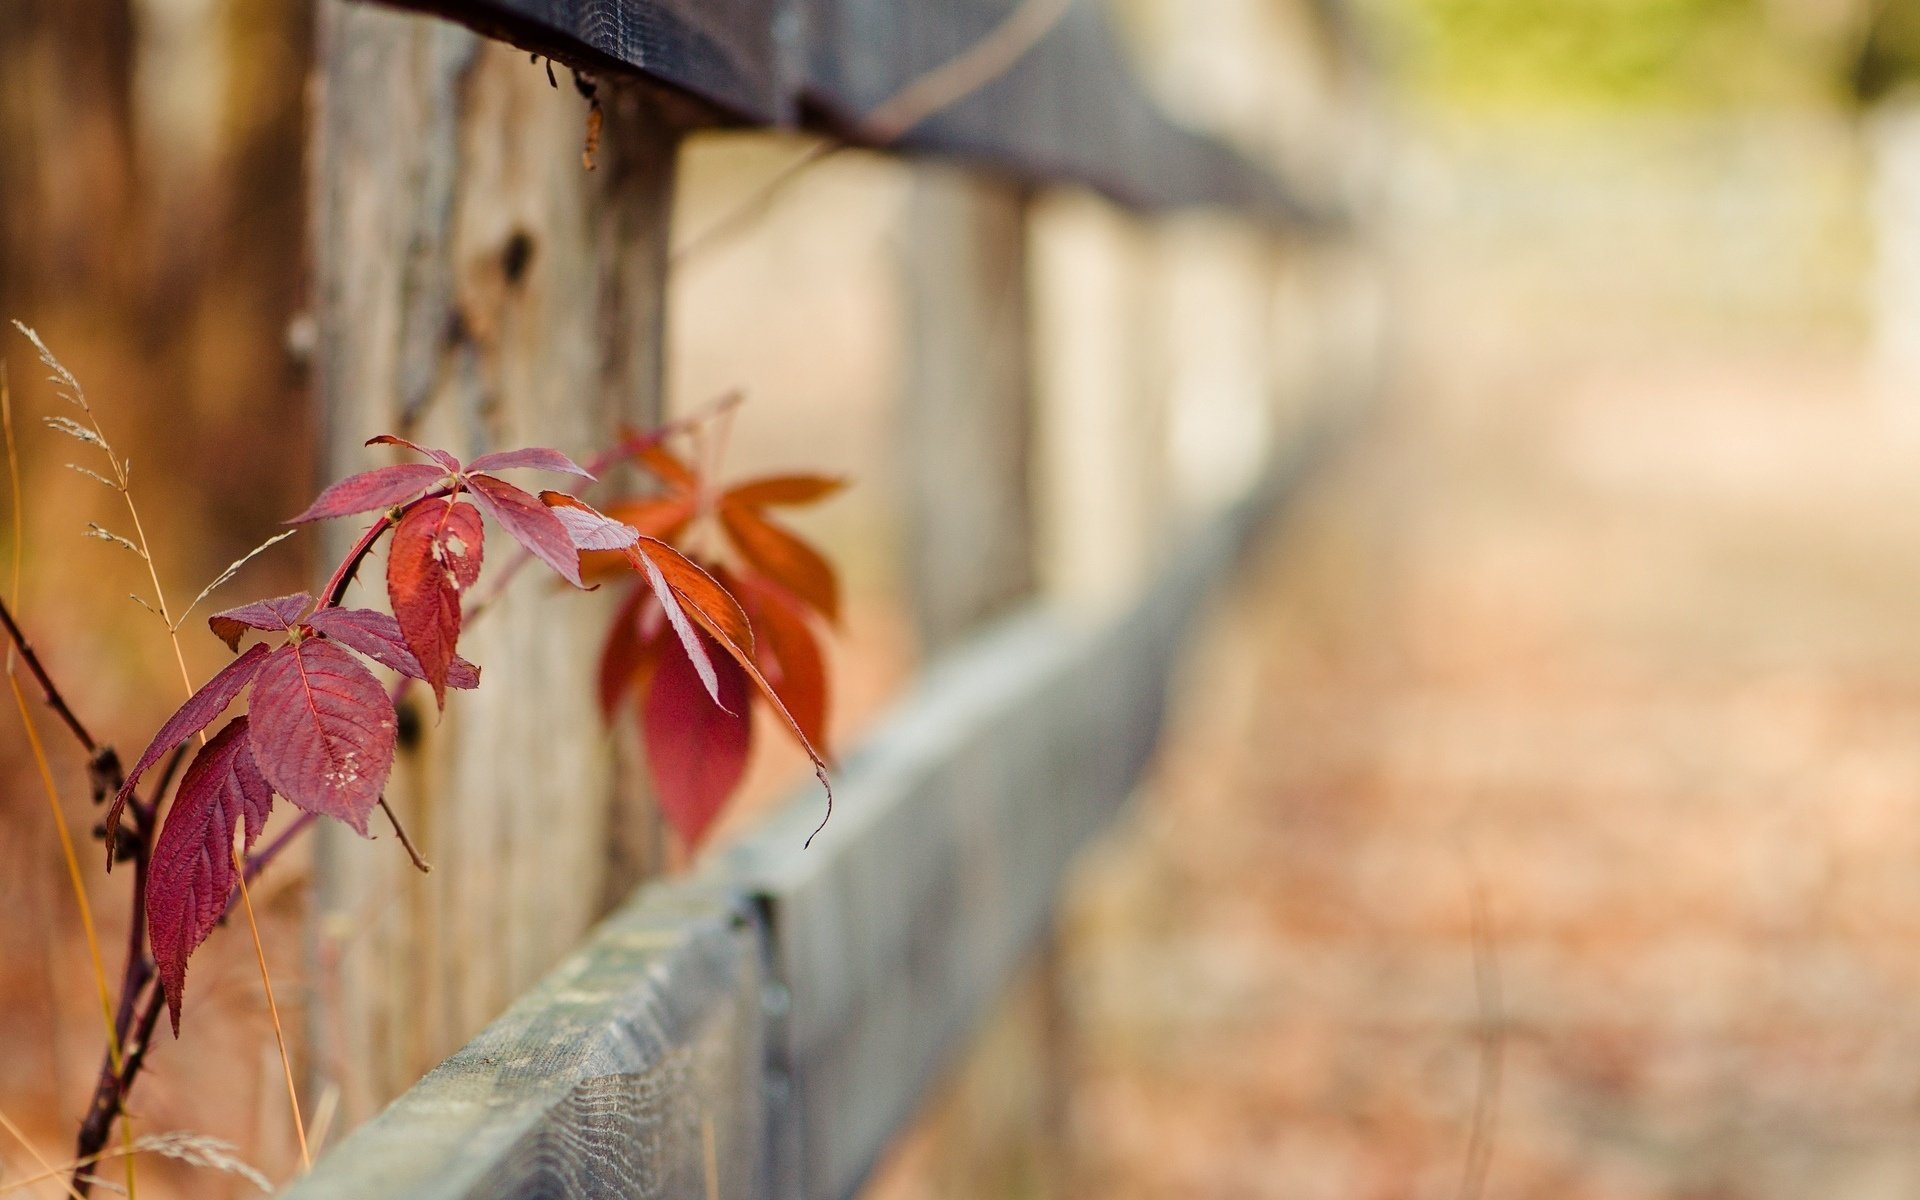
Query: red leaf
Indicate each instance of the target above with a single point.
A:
(191, 875)
(667, 467)
(741, 651)
(378, 636)
(746, 663)
(683, 628)
(783, 489)
(696, 748)
(662, 517)
(588, 528)
(434, 557)
(783, 558)
(789, 656)
(193, 716)
(628, 652)
(382, 487)
(530, 523)
(279, 613)
(323, 730)
(711, 603)
(446, 460)
(534, 458)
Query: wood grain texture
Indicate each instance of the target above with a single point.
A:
(476, 288)
(1070, 110)
(633, 1070)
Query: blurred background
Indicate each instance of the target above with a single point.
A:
(1542, 814)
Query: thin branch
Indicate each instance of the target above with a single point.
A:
(923, 97)
(39, 672)
(419, 864)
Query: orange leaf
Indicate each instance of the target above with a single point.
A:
(669, 467)
(783, 558)
(784, 489)
(789, 656)
(712, 605)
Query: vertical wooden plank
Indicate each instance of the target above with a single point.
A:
(967, 418)
(1102, 419)
(476, 288)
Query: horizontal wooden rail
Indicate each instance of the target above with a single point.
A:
(767, 1026)
(1067, 109)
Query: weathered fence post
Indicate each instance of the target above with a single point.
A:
(969, 421)
(477, 287)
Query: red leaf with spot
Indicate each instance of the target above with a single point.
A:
(193, 716)
(789, 656)
(191, 875)
(530, 523)
(589, 528)
(278, 614)
(533, 458)
(782, 557)
(697, 748)
(446, 460)
(378, 636)
(435, 556)
(323, 730)
(382, 487)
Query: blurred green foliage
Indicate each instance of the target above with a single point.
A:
(1889, 57)
(1684, 54)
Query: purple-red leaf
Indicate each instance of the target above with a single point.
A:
(696, 746)
(435, 556)
(531, 523)
(193, 716)
(589, 528)
(534, 458)
(192, 874)
(378, 636)
(323, 730)
(446, 460)
(382, 487)
(280, 613)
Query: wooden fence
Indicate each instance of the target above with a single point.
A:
(768, 1025)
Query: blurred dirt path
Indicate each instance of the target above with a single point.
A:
(1616, 618)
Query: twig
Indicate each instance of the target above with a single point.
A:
(923, 97)
(419, 864)
(52, 695)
